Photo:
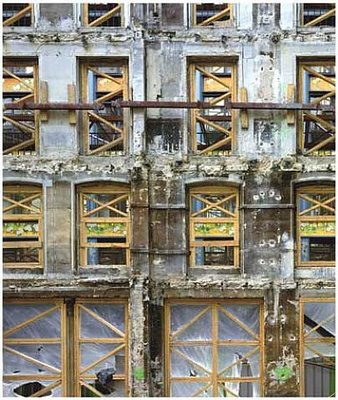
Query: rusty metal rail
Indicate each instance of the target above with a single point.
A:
(167, 104)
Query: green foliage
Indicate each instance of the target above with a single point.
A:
(222, 229)
(106, 229)
(20, 228)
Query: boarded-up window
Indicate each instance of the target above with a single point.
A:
(17, 14)
(318, 14)
(104, 129)
(318, 337)
(214, 229)
(212, 129)
(316, 226)
(22, 226)
(20, 127)
(101, 348)
(34, 349)
(317, 85)
(104, 225)
(214, 349)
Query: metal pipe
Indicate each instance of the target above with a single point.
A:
(168, 104)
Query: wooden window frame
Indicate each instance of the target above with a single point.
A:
(92, 65)
(306, 191)
(302, 336)
(317, 20)
(59, 377)
(123, 342)
(102, 189)
(228, 10)
(228, 192)
(97, 22)
(32, 96)
(212, 304)
(20, 14)
(20, 218)
(198, 116)
(306, 66)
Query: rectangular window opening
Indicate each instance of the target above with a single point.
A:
(17, 14)
(318, 14)
(103, 15)
(211, 14)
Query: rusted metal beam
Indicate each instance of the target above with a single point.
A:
(168, 104)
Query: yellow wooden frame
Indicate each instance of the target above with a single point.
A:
(228, 10)
(228, 193)
(214, 380)
(197, 115)
(90, 115)
(123, 341)
(85, 218)
(307, 66)
(20, 14)
(305, 193)
(57, 375)
(31, 192)
(97, 22)
(32, 96)
(303, 341)
(317, 20)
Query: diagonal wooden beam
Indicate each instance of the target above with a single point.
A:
(321, 144)
(103, 358)
(18, 15)
(238, 322)
(20, 203)
(320, 121)
(215, 17)
(191, 322)
(213, 125)
(190, 361)
(104, 121)
(108, 96)
(102, 321)
(201, 390)
(321, 18)
(106, 146)
(319, 325)
(105, 17)
(106, 205)
(19, 125)
(19, 146)
(214, 205)
(216, 145)
(246, 355)
(210, 75)
(28, 86)
(91, 388)
(319, 75)
(46, 389)
(104, 75)
(325, 96)
(317, 204)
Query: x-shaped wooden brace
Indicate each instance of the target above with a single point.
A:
(317, 204)
(203, 120)
(106, 205)
(327, 126)
(100, 118)
(22, 126)
(217, 16)
(211, 205)
(21, 203)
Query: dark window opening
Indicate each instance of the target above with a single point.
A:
(96, 11)
(10, 10)
(318, 249)
(312, 11)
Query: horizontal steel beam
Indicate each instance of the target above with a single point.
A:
(168, 104)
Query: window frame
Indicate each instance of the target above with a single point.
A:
(206, 23)
(305, 65)
(302, 341)
(93, 64)
(19, 218)
(103, 18)
(8, 23)
(107, 188)
(227, 191)
(314, 189)
(34, 95)
(214, 342)
(199, 64)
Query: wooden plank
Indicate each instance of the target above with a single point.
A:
(246, 355)
(321, 18)
(319, 325)
(317, 204)
(215, 17)
(103, 358)
(24, 83)
(71, 99)
(101, 119)
(190, 322)
(210, 75)
(20, 125)
(319, 75)
(190, 361)
(91, 388)
(46, 389)
(290, 114)
(105, 17)
(238, 322)
(216, 145)
(320, 145)
(106, 146)
(44, 99)
(244, 117)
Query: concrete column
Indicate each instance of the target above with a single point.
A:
(58, 224)
(288, 16)
(139, 346)
(243, 15)
(281, 343)
(137, 85)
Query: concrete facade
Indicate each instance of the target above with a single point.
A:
(157, 40)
